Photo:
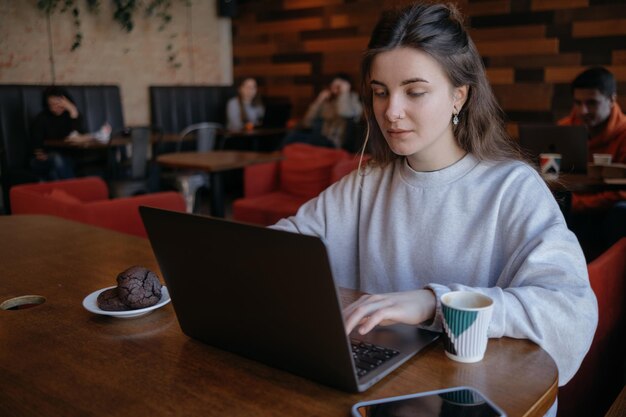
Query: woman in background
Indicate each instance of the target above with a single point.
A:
(447, 203)
(246, 109)
(57, 121)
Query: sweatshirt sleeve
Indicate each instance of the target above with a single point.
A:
(543, 292)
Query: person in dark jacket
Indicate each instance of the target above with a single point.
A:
(58, 120)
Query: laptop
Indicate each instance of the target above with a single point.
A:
(569, 141)
(277, 113)
(270, 296)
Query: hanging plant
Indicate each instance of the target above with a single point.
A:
(49, 6)
(124, 12)
(160, 9)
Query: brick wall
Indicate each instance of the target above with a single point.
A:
(532, 48)
(109, 55)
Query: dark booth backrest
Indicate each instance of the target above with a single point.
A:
(19, 104)
(173, 108)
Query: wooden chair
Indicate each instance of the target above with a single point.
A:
(601, 375)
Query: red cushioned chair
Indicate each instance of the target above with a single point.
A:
(276, 190)
(86, 200)
(601, 375)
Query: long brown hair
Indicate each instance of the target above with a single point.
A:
(256, 101)
(437, 29)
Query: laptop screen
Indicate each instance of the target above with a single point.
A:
(569, 141)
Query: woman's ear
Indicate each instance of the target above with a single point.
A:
(460, 96)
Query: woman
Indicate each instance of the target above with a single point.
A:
(448, 204)
(334, 107)
(57, 121)
(246, 109)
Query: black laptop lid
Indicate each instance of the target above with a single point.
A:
(279, 307)
(569, 141)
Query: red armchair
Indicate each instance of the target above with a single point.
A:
(276, 190)
(86, 200)
(600, 377)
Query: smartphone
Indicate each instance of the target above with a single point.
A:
(450, 402)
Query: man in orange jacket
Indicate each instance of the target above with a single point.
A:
(595, 106)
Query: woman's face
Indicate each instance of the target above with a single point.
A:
(56, 105)
(413, 103)
(248, 89)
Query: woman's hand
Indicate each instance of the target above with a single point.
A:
(409, 307)
(323, 96)
(70, 107)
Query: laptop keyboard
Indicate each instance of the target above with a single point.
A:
(368, 357)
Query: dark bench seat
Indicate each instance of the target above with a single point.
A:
(173, 108)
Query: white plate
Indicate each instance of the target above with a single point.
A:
(91, 304)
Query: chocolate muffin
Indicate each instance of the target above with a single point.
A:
(109, 301)
(138, 287)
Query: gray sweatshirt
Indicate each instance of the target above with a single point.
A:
(489, 227)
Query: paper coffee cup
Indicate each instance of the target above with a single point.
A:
(550, 164)
(602, 158)
(466, 318)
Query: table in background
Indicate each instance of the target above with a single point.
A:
(581, 183)
(57, 359)
(215, 162)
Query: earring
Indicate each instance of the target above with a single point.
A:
(455, 119)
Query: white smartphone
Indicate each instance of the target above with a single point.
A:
(450, 402)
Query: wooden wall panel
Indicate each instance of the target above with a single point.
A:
(501, 75)
(296, 25)
(512, 32)
(336, 45)
(518, 47)
(532, 49)
(567, 74)
(609, 27)
(619, 57)
(524, 97)
(261, 70)
(488, 7)
(303, 4)
(536, 61)
(557, 4)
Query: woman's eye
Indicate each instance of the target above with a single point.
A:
(415, 93)
(379, 93)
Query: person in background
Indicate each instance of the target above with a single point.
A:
(599, 219)
(59, 119)
(447, 202)
(327, 120)
(246, 109)
(334, 107)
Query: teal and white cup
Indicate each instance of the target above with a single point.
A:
(466, 318)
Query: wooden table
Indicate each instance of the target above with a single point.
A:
(214, 163)
(581, 183)
(57, 359)
(618, 409)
